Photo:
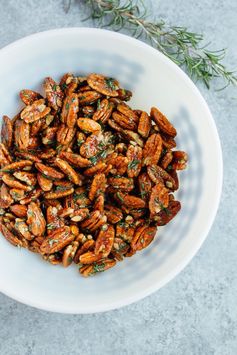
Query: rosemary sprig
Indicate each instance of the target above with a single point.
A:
(180, 45)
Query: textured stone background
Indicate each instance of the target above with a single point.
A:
(196, 314)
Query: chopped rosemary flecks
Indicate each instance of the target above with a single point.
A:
(52, 242)
(80, 141)
(150, 233)
(82, 195)
(46, 176)
(143, 194)
(119, 197)
(50, 226)
(167, 211)
(99, 267)
(110, 82)
(104, 227)
(101, 145)
(98, 104)
(62, 188)
(133, 164)
(164, 150)
(93, 159)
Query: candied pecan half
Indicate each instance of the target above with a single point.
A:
(5, 198)
(88, 97)
(124, 95)
(128, 112)
(58, 194)
(5, 156)
(88, 125)
(98, 186)
(99, 266)
(91, 146)
(90, 257)
(159, 198)
(104, 85)
(70, 110)
(98, 168)
(157, 174)
(152, 149)
(88, 245)
(49, 172)
(69, 171)
(167, 214)
(134, 155)
(10, 181)
(99, 203)
(23, 229)
(6, 131)
(119, 165)
(130, 201)
(105, 241)
(57, 240)
(114, 214)
(28, 156)
(35, 219)
(103, 112)
(167, 141)
(143, 236)
(144, 125)
(35, 111)
(162, 122)
(179, 161)
(65, 134)
(10, 168)
(29, 96)
(166, 160)
(124, 121)
(19, 210)
(94, 221)
(145, 185)
(25, 176)
(75, 159)
(22, 134)
(120, 247)
(10, 237)
(54, 94)
(69, 253)
(44, 183)
(125, 231)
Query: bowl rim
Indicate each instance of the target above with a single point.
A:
(216, 198)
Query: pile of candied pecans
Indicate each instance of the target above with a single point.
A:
(84, 178)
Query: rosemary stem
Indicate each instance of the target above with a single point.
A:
(180, 45)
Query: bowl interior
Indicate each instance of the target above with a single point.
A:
(154, 81)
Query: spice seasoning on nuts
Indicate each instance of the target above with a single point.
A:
(86, 179)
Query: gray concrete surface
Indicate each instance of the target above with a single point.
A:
(196, 314)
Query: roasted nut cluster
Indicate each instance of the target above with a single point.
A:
(85, 178)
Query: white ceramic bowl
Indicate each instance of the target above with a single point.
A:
(154, 81)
